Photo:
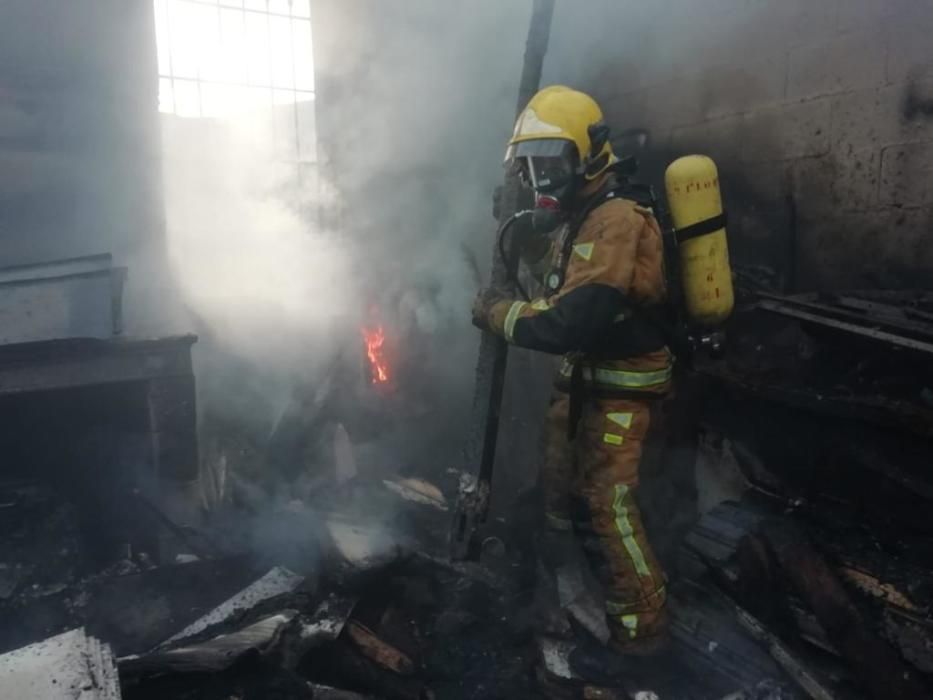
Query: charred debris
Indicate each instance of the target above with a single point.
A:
(805, 569)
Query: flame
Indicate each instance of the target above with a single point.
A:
(375, 340)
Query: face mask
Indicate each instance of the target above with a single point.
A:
(553, 182)
(547, 214)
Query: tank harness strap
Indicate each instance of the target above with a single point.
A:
(701, 228)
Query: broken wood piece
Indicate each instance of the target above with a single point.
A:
(875, 663)
(786, 659)
(417, 491)
(870, 585)
(214, 654)
(378, 651)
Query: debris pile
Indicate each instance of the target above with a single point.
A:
(809, 572)
(376, 614)
(815, 576)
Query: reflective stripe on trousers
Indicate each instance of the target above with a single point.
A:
(622, 379)
(626, 532)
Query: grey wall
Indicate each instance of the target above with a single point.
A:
(79, 139)
(818, 113)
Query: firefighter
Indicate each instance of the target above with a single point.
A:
(603, 276)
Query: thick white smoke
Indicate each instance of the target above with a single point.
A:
(247, 260)
(415, 100)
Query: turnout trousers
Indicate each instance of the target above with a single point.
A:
(590, 486)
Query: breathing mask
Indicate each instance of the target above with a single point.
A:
(549, 167)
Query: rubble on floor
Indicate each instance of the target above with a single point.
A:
(815, 575)
(809, 573)
(69, 666)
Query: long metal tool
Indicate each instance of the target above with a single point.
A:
(480, 450)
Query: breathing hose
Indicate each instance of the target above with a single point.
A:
(511, 271)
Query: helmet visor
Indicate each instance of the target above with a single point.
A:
(545, 164)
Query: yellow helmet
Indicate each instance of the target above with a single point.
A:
(557, 115)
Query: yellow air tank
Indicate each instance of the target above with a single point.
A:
(692, 185)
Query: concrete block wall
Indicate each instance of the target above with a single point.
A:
(818, 112)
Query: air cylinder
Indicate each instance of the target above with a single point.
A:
(695, 203)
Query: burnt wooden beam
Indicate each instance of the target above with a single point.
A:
(867, 314)
(856, 328)
(881, 670)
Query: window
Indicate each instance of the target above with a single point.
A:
(233, 59)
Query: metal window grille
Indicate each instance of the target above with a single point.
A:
(225, 59)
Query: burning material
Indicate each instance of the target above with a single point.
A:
(380, 652)
(375, 337)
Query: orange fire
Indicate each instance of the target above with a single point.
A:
(375, 341)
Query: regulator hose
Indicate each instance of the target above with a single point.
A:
(510, 270)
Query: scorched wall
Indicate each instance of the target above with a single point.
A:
(818, 112)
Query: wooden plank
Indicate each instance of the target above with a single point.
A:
(863, 330)
(880, 669)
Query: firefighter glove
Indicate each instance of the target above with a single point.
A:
(483, 305)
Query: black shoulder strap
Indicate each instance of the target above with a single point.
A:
(701, 228)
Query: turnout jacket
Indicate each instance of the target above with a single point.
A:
(600, 317)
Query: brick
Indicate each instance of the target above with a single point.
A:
(850, 62)
(906, 174)
(787, 132)
(880, 117)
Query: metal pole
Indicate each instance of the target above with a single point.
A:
(480, 451)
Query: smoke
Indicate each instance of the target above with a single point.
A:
(415, 100)
(246, 259)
